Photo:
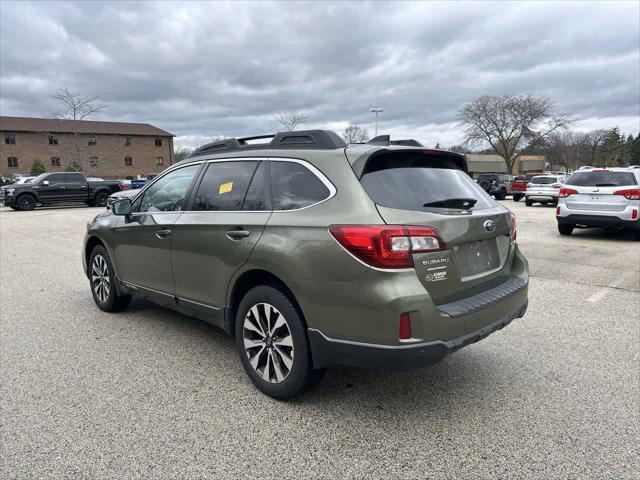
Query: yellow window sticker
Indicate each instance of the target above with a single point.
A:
(225, 188)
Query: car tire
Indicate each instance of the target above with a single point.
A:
(544, 203)
(565, 228)
(500, 195)
(101, 199)
(26, 201)
(484, 185)
(528, 202)
(517, 198)
(271, 339)
(103, 282)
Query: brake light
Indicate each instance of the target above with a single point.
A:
(514, 228)
(404, 330)
(387, 246)
(631, 194)
(565, 192)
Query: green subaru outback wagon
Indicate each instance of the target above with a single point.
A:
(313, 253)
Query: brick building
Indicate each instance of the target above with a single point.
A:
(484, 163)
(103, 149)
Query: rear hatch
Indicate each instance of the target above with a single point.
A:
(544, 186)
(426, 188)
(596, 190)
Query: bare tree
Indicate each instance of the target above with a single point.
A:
(593, 140)
(507, 123)
(288, 122)
(355, 134)
(76, 107)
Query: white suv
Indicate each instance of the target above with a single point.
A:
(600, 198)
(543, 189)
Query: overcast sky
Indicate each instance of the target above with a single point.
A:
(200, 70)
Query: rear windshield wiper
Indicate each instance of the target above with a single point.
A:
(464, 203)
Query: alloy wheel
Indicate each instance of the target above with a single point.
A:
(268, 342)
(100, 278)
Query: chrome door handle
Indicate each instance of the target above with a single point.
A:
(162, 234)
(238, 234)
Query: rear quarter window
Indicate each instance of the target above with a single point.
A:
(602, 179)
(294, 186)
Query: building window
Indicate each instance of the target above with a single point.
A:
(12, 162)
(126, 141)
(55, 161)
(158, 142)
(128, 162)
(10, 139)
(93, 161)
(53, 140)
(159, 161)
(92, 141)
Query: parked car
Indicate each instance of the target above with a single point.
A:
(600, 198)
(519, 185)
(315, 253)
(543, 189)
(496, 184)
(55, 188)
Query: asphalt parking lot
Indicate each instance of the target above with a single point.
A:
(149, 393)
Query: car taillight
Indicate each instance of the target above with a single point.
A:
(631, 194)
(514, 228)
(387, 246)
(565, 192)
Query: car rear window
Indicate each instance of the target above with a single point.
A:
(544, 180)
(602, 179)
(410, 183)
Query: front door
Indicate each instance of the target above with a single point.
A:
(216, 235)
(143, 241)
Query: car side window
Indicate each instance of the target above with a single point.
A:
(224, 186)
(168, 193)
(294, 186)
(74, 178)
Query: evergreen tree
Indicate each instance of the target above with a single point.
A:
(611, 152)
(37, 168)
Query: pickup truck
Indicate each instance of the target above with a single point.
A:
(55, 188)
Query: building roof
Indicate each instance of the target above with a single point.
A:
(54, 125)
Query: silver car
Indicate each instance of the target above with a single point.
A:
(600, 198)
(543, 189)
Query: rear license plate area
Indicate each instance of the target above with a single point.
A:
(474, 258)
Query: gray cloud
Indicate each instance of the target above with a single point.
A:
(206, 69)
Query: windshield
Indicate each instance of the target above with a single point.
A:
(422, 188)
(545, 180)
(602, 179)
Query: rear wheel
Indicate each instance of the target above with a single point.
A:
(565, 228)
(528, 202)
(26, 201)
(272, 343)
(102, 279)
(500, 195)
(516, 197)
(101, 199)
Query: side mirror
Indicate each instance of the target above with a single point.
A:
(122, 207)
(45, 183)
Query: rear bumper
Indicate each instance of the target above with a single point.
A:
(598, 221)
(327, 351)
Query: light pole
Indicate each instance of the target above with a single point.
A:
(376, 111)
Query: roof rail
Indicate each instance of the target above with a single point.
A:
(385, 140)
(303, 139)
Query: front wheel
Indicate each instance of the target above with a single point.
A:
(272, 343)
(102, 279)
(528, 202)
(565, 228)
(26, 201)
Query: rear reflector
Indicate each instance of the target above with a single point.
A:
(634, 214)
(387, 246)
(405, 326)
(565, 192)
(631, 194)
(557, 210)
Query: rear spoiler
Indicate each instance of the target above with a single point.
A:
(458, 160)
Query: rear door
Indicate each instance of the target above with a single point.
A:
(476, 229)
(596, 190)
(215, 236)
(76, 187)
